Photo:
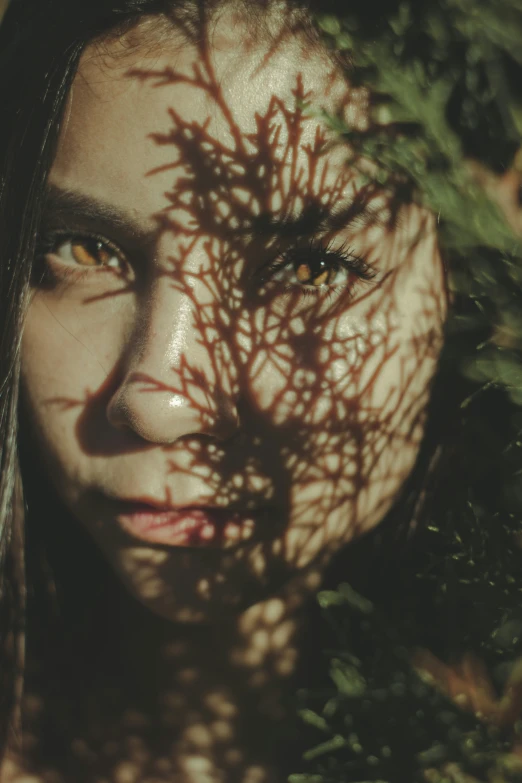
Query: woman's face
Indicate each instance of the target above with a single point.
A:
(227, 358)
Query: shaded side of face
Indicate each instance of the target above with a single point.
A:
(225, 316)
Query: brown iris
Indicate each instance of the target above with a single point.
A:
(91, 252)
(315, 271)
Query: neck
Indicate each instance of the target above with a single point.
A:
(220, 696)
(255, 649)
(225, 690)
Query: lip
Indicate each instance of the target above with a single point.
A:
(198, 526)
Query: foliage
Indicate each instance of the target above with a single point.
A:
(426, 678)
(447, 118)
(393, 716)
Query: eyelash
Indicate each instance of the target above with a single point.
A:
(335, 258)
(49, 241)
(341, 257)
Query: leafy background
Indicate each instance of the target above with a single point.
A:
(426, 665)
(425, 668)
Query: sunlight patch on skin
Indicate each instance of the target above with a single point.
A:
(198, 768)
(221, 388)
(219, 703)
(222, 731)
(256, 775)
(285, 665)
(126, 772)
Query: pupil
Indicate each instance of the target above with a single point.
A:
(98, 251)
(90, 252)
(314, 270)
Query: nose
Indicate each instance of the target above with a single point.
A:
(175, 381)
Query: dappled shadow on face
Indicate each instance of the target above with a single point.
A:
(315, 309)
(297, 398)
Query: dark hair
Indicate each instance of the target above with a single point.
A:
(32, 92)
(41, 42)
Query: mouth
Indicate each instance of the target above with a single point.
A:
(190, 526)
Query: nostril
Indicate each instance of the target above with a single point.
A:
(117, 414)
(226, 425)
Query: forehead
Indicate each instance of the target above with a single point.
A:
(126, 107)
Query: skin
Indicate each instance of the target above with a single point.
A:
(190, 373)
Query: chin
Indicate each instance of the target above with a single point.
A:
(215, 606)
(222, 602)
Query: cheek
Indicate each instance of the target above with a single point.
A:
(363, 361)
(68, 351)
(51, 370)
(349, 392)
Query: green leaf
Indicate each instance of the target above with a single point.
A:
(334, 744)
(348, 679)
(313, 719)
(355, 600)
(329, 24)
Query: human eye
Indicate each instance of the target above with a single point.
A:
(318, 268)
(82, 251)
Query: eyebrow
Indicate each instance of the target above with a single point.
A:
(316, 218)
(68, 209)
